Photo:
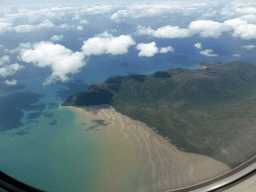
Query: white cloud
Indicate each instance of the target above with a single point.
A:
(65, 26)
(234, 23)
(242, 29)
(12, 82)
(147, 50)
(5, 59)
(166, 49)
(61, 60)
(99, 9)
(1, 46)
(246, 32)
(5, 27)
(238, 8)
(236, 55)
(21, 46)
(139, 10)
(207, 28)
(106, 43)
(84, 22)
(119, 13)
(105, 34)
(198, 46)
(56, 37)
(79, 27)
(246, 10)
(208, 52)
(30, 28)
(150, 49)
(210, 14)
(24, 28)
(163, 32)
(248, 18)
(9, 70)
(248, 47)
(77, 17)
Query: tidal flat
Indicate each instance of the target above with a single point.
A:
(139, 159)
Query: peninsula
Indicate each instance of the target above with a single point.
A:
(209, 111)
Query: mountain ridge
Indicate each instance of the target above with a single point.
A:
(198, 110)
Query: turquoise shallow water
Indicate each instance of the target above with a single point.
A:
(61, 157)
(54, 153)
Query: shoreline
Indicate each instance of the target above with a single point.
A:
(161, 165)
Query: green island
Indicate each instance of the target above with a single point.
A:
(209, 111)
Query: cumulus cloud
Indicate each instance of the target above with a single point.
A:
(248, 18)
(147, 50)
(30, 28)
(21, 46)
(61, 60)
(119, 13)
(163, 32)
(236, 55)
(99, 9)
(4, 26)
(9, 70)
(238, 8)
(79, 27)
(166, 49)
(150, 49)
(84, 22)
(207, 28)
(248, 47)
(65, 26)
(139, 10)
(12, 82)
(210, 14)
(77, 17)
(246, 10)
(198, 46)
(3, 60)
(56, 37)
(246, 32)
(106, 43)
(208, 52)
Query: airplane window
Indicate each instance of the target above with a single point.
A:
(126, 95)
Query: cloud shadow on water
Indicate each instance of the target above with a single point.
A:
(7, 88)
(12, 106)
(34, 115)
(48, 115)
(98, 122)
(53, 122)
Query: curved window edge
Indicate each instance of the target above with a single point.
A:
(220, 183)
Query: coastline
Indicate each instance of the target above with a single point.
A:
(141, 158)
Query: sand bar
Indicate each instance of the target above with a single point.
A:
(140, 159)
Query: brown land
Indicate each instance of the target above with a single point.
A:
(140, 159)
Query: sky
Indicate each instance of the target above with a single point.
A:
(18, 2)
(64, 39)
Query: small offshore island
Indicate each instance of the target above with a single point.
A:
(209, 111)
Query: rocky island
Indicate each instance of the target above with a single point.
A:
(209, 111)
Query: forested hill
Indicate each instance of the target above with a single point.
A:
(210, 111)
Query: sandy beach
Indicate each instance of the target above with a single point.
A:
(138, 159)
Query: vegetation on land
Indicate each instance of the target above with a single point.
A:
(209, 111)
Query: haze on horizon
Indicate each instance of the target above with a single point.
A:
(175, 33)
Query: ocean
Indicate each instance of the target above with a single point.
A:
(46, 146)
